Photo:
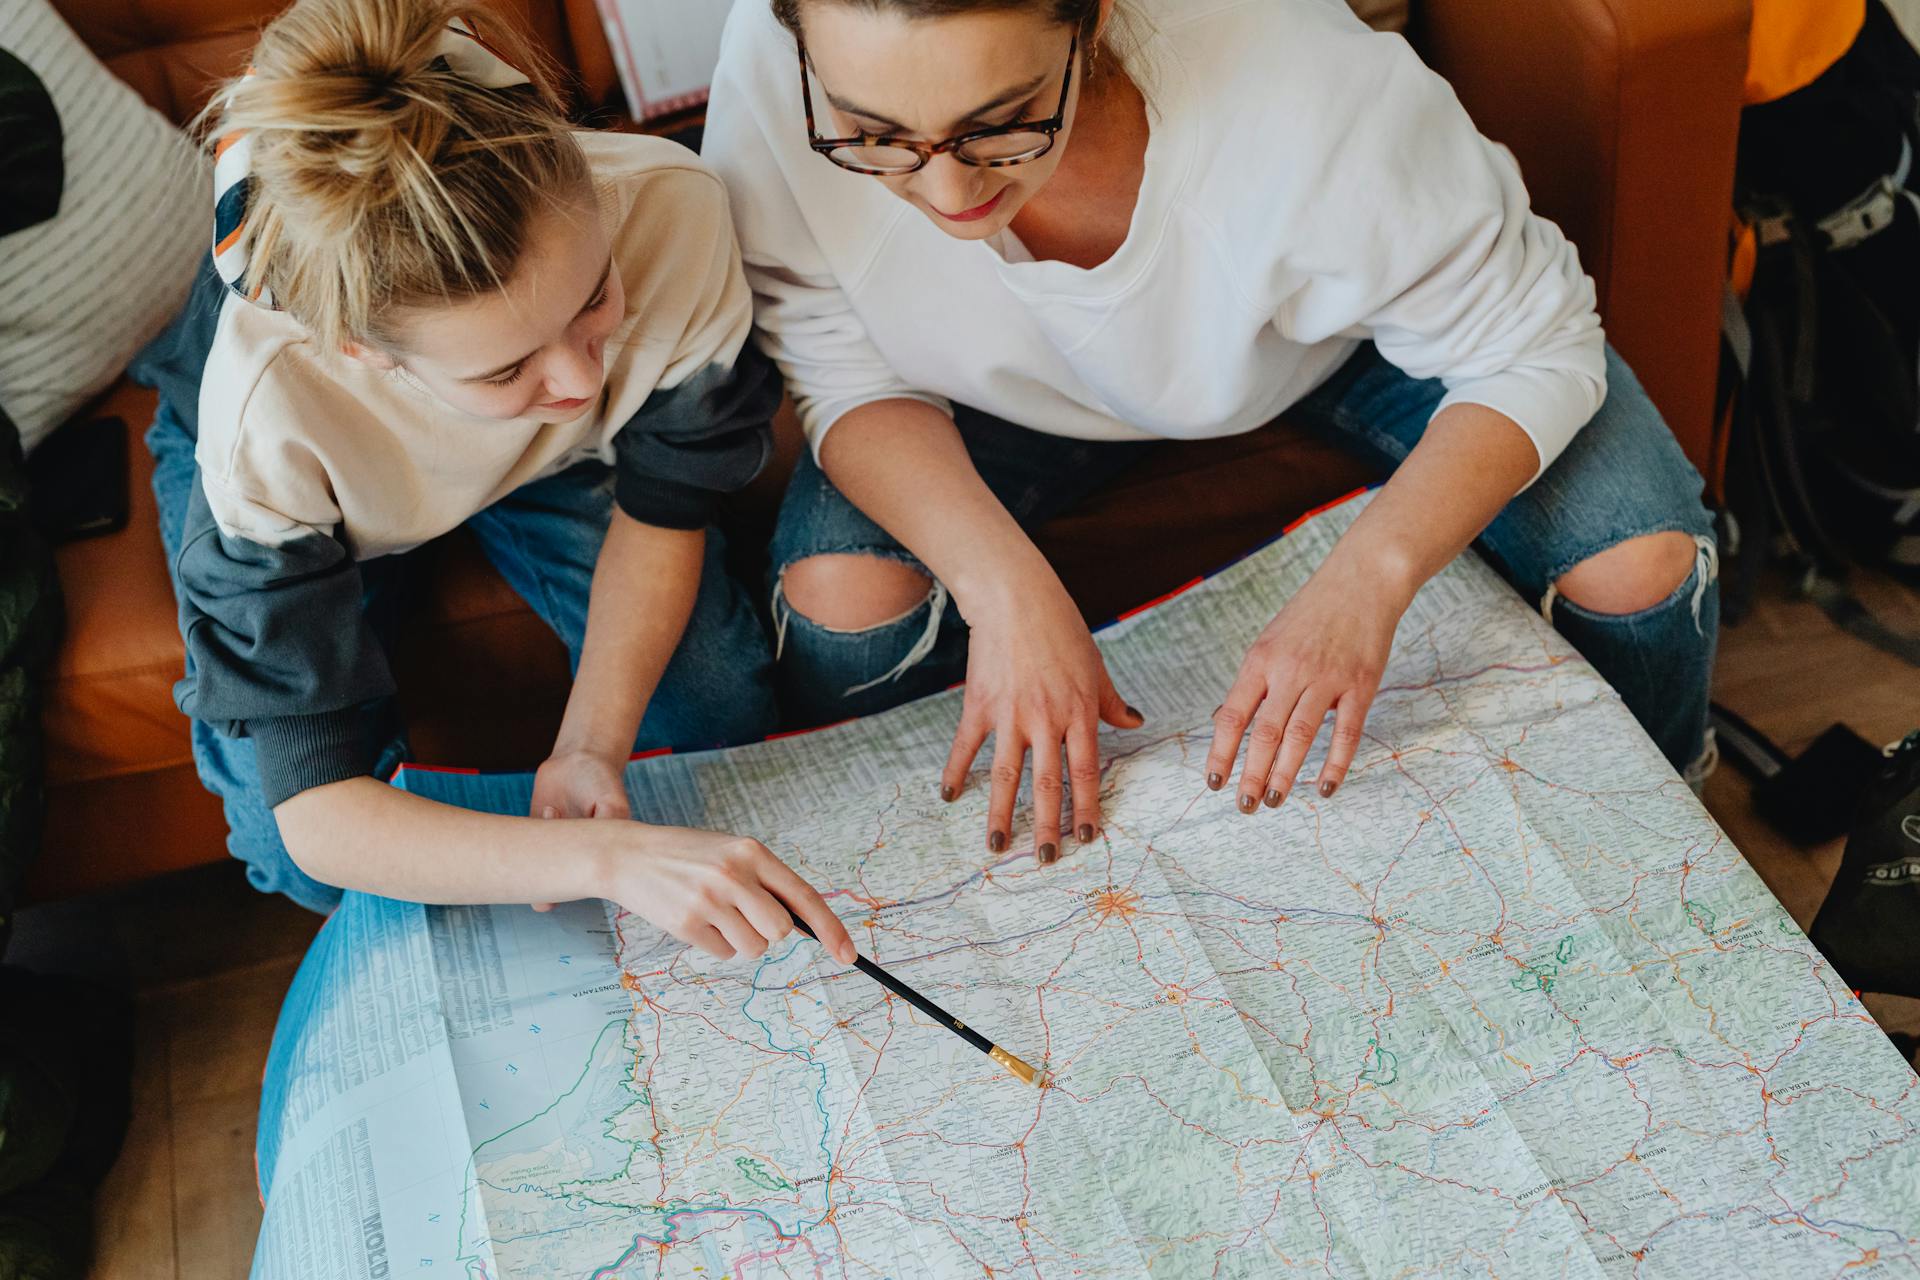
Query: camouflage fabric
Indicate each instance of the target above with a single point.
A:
(66, 1057)
(60, 1041)
(31, 175)
(29, 628)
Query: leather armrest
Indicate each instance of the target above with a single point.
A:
(1624, 115)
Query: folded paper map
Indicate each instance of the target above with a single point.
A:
(1509, 1004)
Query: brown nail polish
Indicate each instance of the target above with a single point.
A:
(1326, 789)
(1085, 833)
(1135, 712)
(948, 793)
(1274, 798)
(1248, 803)
(997, 842)
(1213, 781)
(1047, 854)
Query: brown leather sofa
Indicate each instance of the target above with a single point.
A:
(1623, 113)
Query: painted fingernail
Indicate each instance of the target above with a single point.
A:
(947, 793)
(1213, 781)
(1326, 788)
(1274, 798)
(1249, 802)
(1135, 712)
(1085, 833)
(997, 842)
(1048, 853)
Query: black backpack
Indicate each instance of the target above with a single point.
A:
(1869, 926)
(1823, 358)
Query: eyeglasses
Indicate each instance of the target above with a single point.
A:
(995, 148)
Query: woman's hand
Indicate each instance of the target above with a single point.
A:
(1325, 650)
(1036, 681)
(726, 894)
(578, 784)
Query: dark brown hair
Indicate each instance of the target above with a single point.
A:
(1084, 14)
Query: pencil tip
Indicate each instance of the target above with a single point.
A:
(1025, 1070)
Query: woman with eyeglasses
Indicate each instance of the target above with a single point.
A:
(997, 245)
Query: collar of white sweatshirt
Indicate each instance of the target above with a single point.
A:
(1309, 185)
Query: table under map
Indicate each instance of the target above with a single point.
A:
(1509, 1004)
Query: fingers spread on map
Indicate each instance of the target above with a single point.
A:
(1083, 777)
(1039, 689)
(1349, 724)
(725, 894)
(1323, 653)
(967, 741)
(1009, 763)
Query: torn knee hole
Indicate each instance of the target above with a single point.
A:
(1632, 576)
(853, 592)
(1702, 570)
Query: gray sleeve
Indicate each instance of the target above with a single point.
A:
(279, 650)
(691, 444)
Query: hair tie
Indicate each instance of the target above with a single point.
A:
(460, 50)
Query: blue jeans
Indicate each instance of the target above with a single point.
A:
(1623, 477)
(544, 539)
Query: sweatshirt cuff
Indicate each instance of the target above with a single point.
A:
(664, 504)
(1550, 405)
(299, 753)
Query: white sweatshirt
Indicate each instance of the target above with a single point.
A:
(1309, 184)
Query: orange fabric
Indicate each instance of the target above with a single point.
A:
(1624, 115)
(592, 57)
(109, 709)
(173, 52)
(1746, 260)
(1795, 41)
(119, 831)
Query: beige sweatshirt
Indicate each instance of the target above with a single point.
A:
(311, 462)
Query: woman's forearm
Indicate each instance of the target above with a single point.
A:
(363, 834)
(644, 586)
(1467, 466)
(904, 464)
(724, 893)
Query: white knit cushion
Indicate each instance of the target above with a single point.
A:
(81, 293)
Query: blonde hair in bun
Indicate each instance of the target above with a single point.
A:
(382, 179)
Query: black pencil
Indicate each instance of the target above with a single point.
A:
(1011, 1062)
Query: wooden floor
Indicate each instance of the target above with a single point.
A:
(211, 958)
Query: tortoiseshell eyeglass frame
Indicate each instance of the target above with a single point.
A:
(928, 150)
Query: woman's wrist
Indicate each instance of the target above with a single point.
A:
(592, 727)
(599, 852)
(995, 588)
(607, 745)
(1384, 563)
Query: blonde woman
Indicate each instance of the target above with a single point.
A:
(998, 252)
(445, 308)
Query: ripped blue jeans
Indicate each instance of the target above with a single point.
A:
(1623, 477)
